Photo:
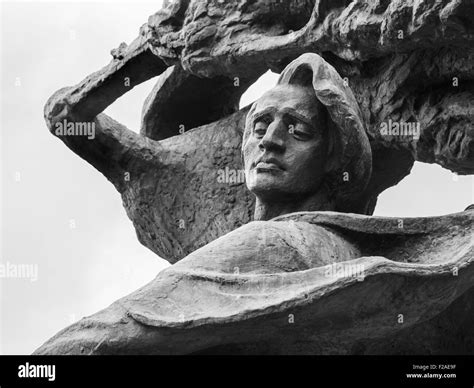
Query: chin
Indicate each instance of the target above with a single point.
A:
(267, 184)
(268, 189)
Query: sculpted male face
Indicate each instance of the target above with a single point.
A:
(286, 147)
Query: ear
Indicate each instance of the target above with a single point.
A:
(333, 151)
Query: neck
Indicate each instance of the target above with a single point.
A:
(268, 209)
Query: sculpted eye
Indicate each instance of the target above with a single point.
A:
(260, 126)
(300, 131)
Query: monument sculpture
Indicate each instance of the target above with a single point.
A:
(292, 261)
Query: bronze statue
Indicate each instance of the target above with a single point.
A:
(301, 277)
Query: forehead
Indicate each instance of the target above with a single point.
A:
(299, 98)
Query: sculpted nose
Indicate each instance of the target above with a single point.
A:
(274, 137)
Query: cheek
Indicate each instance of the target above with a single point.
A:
(249, 152)
(307, 159)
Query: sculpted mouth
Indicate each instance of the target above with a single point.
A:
(268, 164)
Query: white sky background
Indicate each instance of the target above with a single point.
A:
(81, 270)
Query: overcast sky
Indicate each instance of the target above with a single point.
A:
(46, 188)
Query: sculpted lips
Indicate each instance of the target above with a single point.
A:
(268, 164)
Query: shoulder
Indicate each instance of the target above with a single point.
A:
(272, 247)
